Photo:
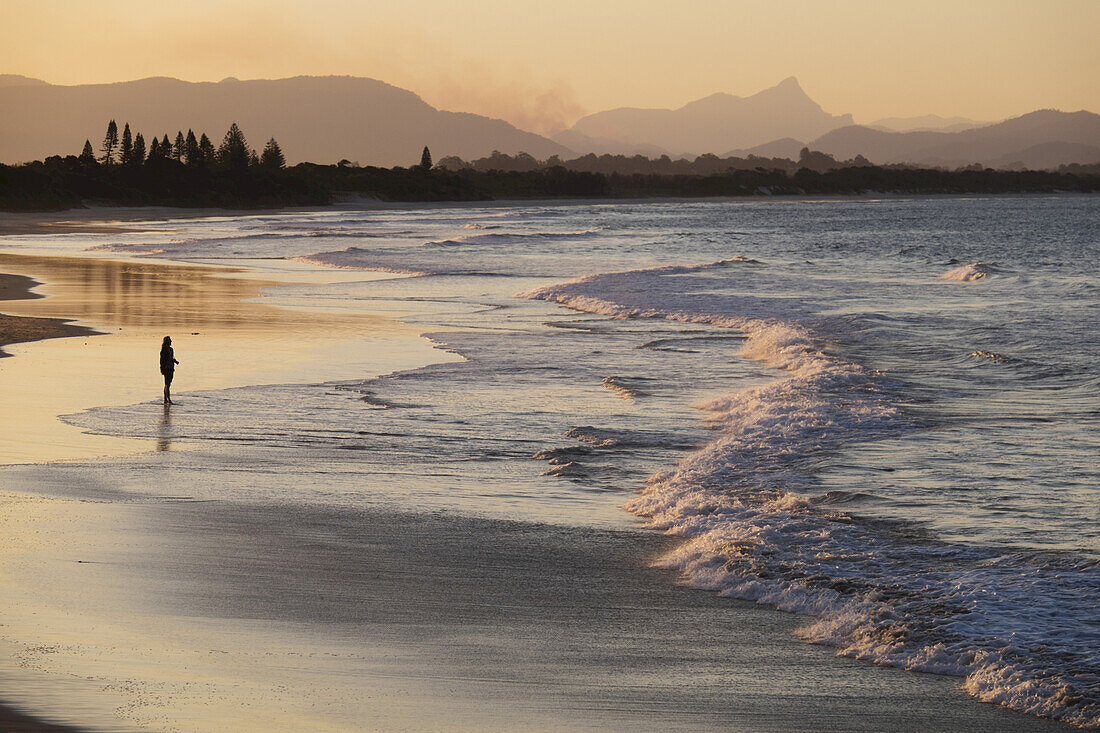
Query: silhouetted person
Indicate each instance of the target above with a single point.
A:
(167, 367)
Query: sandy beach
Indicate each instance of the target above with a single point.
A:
(212, 616)
(164, 612)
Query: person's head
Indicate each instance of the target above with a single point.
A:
(167, 342)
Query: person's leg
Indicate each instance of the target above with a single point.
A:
(167, 384)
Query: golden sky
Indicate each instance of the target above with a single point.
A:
(543, 64)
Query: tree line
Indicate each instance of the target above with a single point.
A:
(190, 171)
(707, 164)
(129, 150)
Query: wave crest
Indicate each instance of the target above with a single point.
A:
(507, 238)
(968, 273)
(880, 592)
(354, 258)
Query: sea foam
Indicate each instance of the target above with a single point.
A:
(1006, 622)
(968, 273)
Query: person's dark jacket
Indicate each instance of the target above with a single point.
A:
(167, 360)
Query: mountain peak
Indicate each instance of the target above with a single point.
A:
(718, 100)
(789, 88)
(17, 80)
(718, 122)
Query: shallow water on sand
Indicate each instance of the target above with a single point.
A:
(882, 413)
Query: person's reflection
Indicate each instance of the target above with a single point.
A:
(164, 441)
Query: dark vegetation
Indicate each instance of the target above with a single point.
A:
(186, 171)
(190, 171)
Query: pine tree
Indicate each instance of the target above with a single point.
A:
(233, 152)
(206, 151)
(87, 156)
(126, 149)
(165, 148)
(138, 156)
(191, 149)
(426, 160)
(179, 148)
(154, 150)
(272, 157)
(110, 140)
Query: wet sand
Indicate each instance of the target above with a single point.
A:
(209, 616)
(16, 329)
(17, 287)
(12, 721)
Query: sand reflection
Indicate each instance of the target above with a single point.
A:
(171, 297)
(164, 439)
(221, 339)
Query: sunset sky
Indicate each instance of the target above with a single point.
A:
(541, 65)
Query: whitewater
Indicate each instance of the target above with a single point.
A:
(882, 414)
(1006, 621)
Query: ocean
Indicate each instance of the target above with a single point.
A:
(881, 413)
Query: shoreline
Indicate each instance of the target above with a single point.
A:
(23, 329)
(15, 290)
(225, 334)
(13, 330)
(302, 617)
(460, 579)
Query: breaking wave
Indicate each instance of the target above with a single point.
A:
(968, 273)
(1008, 622)
(499, 238)
(622, 388)
(354, 258)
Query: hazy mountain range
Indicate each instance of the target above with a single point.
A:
(712, 124)
(319, 119)
(926, 122)
(1041, 139)
(326, 119)
(780, 121)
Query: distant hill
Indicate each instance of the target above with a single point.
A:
(575, 140)
(712, 124)
(926, 122)
(786, 147)
(1004, 141)
(1049, 156)
(317, 119)
(15, 80)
